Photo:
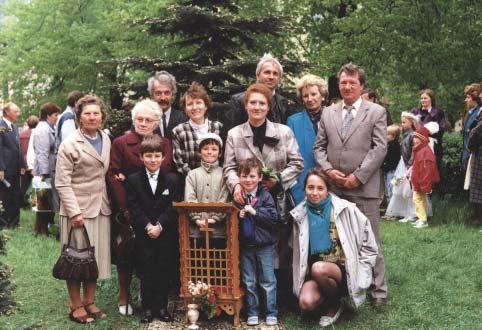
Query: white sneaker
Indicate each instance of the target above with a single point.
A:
(271, 320)
(252, 320)
(124, 308)
(405, 220)
(420, 224)
(326, 321)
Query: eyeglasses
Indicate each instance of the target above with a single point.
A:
(141, 120)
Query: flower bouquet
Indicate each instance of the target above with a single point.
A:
(206, 297)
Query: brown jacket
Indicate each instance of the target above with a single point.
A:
(80, 177)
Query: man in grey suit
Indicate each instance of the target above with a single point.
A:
(12, 165)
(350, 146)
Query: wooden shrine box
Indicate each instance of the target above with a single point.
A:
(218, 267)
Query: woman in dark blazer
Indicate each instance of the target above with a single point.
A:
(427, 113)
(312, 91)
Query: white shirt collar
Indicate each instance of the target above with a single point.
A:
(167, 112)
(356, 105)
(156, 174)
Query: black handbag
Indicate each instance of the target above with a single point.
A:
(76, 264)
(122, 240)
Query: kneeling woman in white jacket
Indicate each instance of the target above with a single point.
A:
(334, 250)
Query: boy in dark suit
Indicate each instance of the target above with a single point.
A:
(149, 196)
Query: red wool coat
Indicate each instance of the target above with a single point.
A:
(125, 159)
(424, 169)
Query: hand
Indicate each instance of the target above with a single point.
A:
(242, 213)
(77, 221)
(153, 231)
(270, 183)
(2, 175)
(352, 182)
(338, 177)
(239, 194)
(22, 171)
(120, 177)
(250, 209)
(202, 223)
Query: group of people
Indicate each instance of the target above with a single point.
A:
(329, 159)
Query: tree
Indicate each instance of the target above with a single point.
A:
(50, 47)
(212, 43)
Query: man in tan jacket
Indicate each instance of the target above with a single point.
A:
(351, 146)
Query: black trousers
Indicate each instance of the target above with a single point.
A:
(11, 202)
(153, 263)
(25, 181)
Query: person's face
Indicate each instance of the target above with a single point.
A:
(257, 107)
(249, 181)
(390, 137)
(350, 88)
(416, 141)
(12, 114)
(406, 124)
(425, 101)
(210, 153)
(52, 118)
(469, 102)
(152, 160)
(315, 189)
(311, 97)
(91, 118)
(269, 75)
(162, 94)
(145, 122)
(195, 109)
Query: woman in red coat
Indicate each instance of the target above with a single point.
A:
(124, 160)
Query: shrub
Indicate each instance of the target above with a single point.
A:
(452, 174)
(7, 301)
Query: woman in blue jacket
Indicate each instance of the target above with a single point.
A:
(312, 91)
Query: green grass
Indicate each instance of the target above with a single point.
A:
(434, 278)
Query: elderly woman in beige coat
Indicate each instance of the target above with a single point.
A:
(334, 250)
(82, 163)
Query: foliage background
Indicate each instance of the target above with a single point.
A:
(49, 47)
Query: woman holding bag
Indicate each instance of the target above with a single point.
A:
(82, 163)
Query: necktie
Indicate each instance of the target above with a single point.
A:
(164, 125)
(153, 176)
(347, 121)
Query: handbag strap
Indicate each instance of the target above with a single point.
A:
(86, 235)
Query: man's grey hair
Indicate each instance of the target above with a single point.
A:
(146, 105)
(162, 77)
(268, 58)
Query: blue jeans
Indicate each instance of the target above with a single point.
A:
(257, 264)
(388, 184)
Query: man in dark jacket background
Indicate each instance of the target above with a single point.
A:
(268, 72)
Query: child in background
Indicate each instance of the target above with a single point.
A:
(206, 184)
(391, 159)
(258, 237)
(423, 174)
(401, 204)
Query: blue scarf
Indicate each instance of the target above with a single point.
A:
(319, 220)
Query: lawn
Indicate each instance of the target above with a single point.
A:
(434, 278)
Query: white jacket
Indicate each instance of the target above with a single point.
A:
(357, 241)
